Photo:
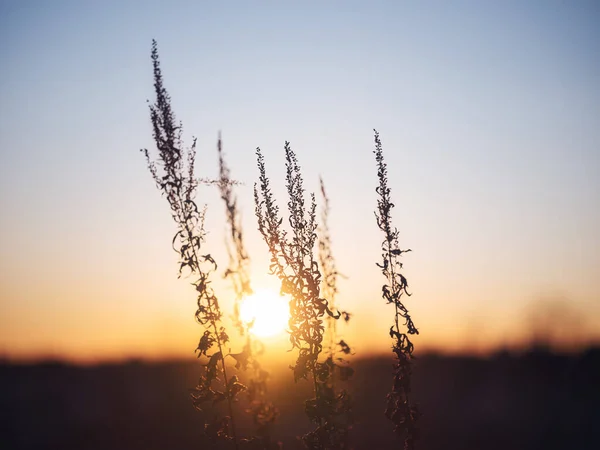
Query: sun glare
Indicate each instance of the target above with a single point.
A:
(269, 312)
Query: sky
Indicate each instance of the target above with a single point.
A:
(489, 114)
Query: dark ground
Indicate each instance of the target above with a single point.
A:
(536, 400)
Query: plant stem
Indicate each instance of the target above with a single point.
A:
(219, 345)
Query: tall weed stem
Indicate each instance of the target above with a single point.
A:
(173, 173)
(264, 414)
(399, 410)
(293, 262)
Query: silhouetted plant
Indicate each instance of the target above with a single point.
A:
(399, 410)
(312, 296)
(263, 412)
(239, 261)
(293, 261)
(337, 348)
(329, 270)
(173, 173)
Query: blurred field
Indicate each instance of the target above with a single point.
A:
(535, 400)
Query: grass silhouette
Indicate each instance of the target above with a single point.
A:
(309, 279)
(173, 173)
(293, 261)
(264, 413)
(399, 409)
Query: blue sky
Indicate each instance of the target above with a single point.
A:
(489, 113)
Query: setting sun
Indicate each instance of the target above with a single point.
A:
(269, 312)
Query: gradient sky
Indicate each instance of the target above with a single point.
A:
(489, 113)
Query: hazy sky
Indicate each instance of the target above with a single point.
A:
(489, 113)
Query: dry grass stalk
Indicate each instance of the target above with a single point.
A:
(312, 296)
(329, 288)
(399, 410)
(263, 412)
(293, 262)
(173, 173)
(337, 348)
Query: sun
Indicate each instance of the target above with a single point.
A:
(269, 312)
